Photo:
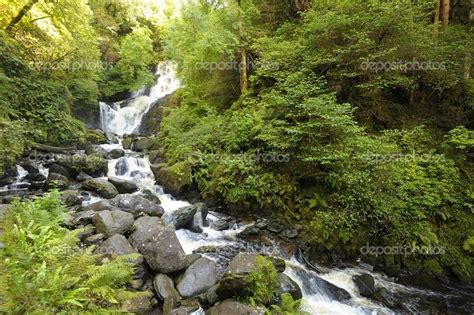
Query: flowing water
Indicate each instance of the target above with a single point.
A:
(125, 117)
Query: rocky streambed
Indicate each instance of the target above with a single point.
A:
(192, 257)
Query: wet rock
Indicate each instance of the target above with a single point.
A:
(100, 186)
(180, 217)
(122, 185)
(192, 258)
(198, 278)
(136, 205)
(94, 239)
(386, 297)
(231, 307)
(211, 295)
(94, 136)
(71, 197)
(100, 205)
(187, 307)
(314, 285)
(275, 227)
(290, 233)
(235, 280)
(172, 180)
(287, 285)
(112, 222)
(58, 169)
(166, 292)
(199, 220)
(83, 176)
(30, 166)
(84, 217)
(37, 177)
(115, 153)
(142, 144)
(158, 244)
(140, 305)
(118, 245)
(365, 283)
(127, 142)
(278, 263)
(220, 225)
(250, 230)
(56, 180)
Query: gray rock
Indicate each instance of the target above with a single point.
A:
(235, 280)
(136, 205)
(275, 227)
(250, 230)
(122, 185)
(118, 245)
(314, 285)
(84, 217)
(94, 239)
(56, 180)
(173, 182)
(180, 217)
(365, 283)
(83, 176)
(287, 285)
(100, 205)
(158, 244)
(112, 222)
(71, 197)
(100, 186)
(231, 307)
(142, 144)
(198, 278)
(199, 219)
(88, 163)
(58, 169)
(386, 297)
(115, 153)
(290, 233)
(220, 225)
(166, 292)
(211, 295)
(140, 305)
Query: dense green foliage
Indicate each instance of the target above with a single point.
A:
(357, 120)
(45, 270)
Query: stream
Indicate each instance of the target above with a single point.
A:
(124, 118)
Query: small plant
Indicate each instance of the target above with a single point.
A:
(263, 283)
(44, 269)
(287, 306)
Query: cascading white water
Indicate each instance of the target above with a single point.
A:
(120, 120)
(124, 117)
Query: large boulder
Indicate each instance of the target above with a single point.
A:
(115, 153)
(122, 185)
(365, 283)
(58, 169)
(174, 179)
(180, 217)
(140, 305)
(112, 222)
(287, 285)
(136, 205)
(118, 245)
(100, 205)
(142, 144)
(198, 278)
(55, 180)
(100, 186)
(231, 307)
(235, 280)
(158, 244)
(166, 292)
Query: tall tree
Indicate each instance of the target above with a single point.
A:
(26, 8)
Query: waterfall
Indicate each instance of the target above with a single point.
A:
(124, 117)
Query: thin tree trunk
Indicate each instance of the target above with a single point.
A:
(26, 8)
(243, 71)
(445, 15)
(436, 19)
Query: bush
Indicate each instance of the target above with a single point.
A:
(44, 268)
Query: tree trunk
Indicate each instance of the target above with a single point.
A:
(445, 14)
(26, 8)
(243, 71)
(436, 19)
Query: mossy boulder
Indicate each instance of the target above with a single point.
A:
(175, 179)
